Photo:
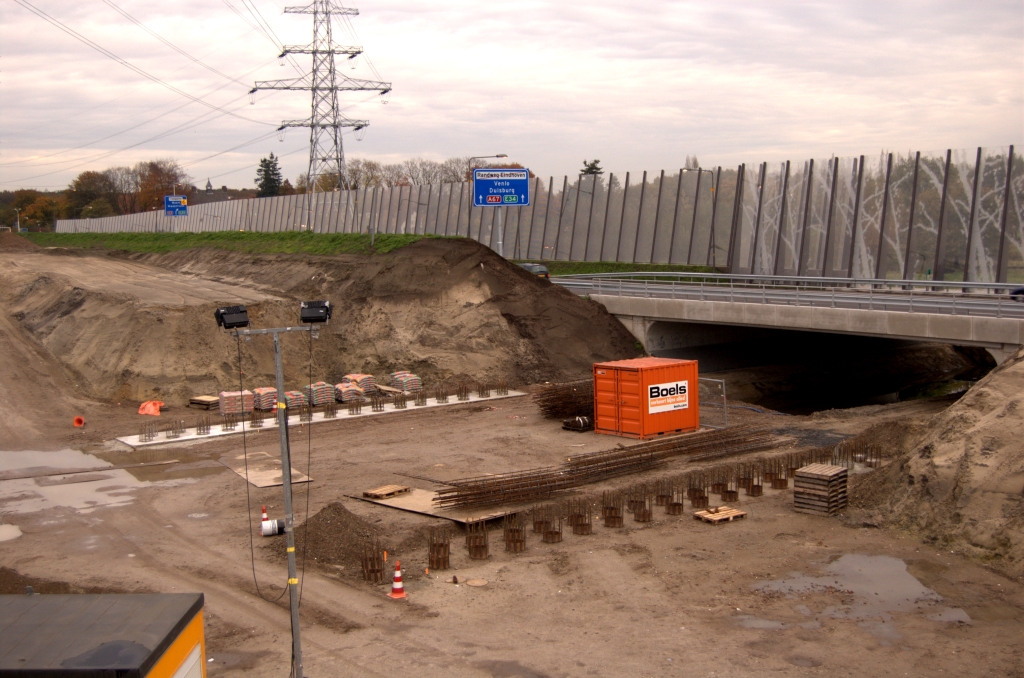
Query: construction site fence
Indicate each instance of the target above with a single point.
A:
(949, 215)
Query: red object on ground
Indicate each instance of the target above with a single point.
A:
(79, 422)
(264, 514)
(397, 590)
(151, 407)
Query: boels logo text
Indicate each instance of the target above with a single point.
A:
(668, 397)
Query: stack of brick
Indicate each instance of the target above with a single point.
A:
(236, 402)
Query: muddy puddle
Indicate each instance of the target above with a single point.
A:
(872, 590)
(32, 481)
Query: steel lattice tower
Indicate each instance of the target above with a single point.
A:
(326, 154)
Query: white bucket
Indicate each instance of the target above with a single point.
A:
(270, 528)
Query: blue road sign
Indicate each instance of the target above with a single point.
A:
(501, 187)
(175, 206)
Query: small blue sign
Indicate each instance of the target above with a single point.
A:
(175, 206)
(493, 187)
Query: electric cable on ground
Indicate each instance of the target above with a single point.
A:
(248, 505)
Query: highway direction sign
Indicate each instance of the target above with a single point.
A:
(501, 187)
(175, 206)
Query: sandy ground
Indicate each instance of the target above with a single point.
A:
(675, 597)
(778, 591)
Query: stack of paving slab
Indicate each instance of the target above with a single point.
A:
(347, 392)
(363, 381)
(236, 402)
(319, 393)
(294, 399)
(820, 489)
(266, 397)
(407, 381)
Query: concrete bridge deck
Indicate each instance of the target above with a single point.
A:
(984, 315)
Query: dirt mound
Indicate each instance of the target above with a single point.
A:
(441, 308)
(962, 480)
(13, 241)
(336, 537)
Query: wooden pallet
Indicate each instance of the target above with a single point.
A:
(719, 514)
(820, 489)
(204, 402)
(386, 491)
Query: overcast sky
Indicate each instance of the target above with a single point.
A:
(639, 84)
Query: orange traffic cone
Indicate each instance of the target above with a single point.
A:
(397, 590)
(264, 514)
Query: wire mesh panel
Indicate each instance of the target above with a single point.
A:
(713, 403)
(1013, 250)
(443, 209)
(598, 218)
(633, 197)
(931, 169)
(767, 228)
(538, 214)
(787, 247)
(584, 201)
(725, 200)
(595, 200)
(869, 221)
(817, 217)
(843, 211)
(644, 230)
(563, 202)
(701, 221)
(897, 217)
(988, 212)
(664, 204)
(747, 219)
(680, 229)
(612, 250)
(956, 215)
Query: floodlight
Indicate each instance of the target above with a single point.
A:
(232, 317)
(315, 311)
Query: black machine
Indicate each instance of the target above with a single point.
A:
(315, 311)
(232, 317)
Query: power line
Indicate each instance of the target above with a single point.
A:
(168, 43)
(269, 35)
(195, 122)
(110, 55)
(128, 129)
(140, 86)
(233, 148)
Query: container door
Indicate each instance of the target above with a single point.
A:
(606, 399)
(629, 402)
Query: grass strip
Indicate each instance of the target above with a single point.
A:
(288, 242)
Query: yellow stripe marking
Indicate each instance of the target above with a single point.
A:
(293, 582)
(291, 549)
(282, 406)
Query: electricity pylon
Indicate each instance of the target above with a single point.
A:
(326, 154)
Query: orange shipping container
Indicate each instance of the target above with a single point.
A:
(646, 397)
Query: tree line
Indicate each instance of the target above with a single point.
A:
(142, 187)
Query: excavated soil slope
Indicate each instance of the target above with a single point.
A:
(440, 308)
(962, 481)
(12, 241)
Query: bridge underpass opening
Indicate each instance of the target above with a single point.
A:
(801, 372)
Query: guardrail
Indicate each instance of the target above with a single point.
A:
(991, 299)
(801, 281)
